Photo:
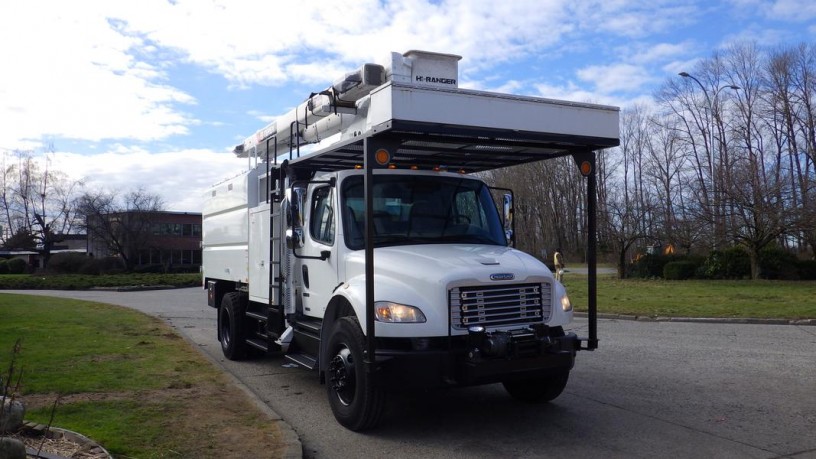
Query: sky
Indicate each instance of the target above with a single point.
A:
(157, 93)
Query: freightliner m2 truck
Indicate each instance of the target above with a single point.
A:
(362, 245)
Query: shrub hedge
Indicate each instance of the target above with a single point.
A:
(17, 266)
(84, 282)
(679, 270)
(732, 263)
(778, 263)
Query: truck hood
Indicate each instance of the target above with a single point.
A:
(444, 264)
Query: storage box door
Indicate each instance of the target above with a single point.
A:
(259, 254)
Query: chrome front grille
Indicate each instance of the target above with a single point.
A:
(500, 305)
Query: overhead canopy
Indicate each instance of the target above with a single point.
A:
(469, 130)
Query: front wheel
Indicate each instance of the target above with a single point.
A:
(538, 390)
(355, 400)
(231, 326)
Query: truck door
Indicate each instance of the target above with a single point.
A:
(318, 277)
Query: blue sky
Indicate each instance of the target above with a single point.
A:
(156, 93)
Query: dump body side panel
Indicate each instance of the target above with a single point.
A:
(225, 229)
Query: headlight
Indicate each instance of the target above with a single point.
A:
(386, 311)
(565, 303)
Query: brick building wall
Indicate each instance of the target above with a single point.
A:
(174, 238)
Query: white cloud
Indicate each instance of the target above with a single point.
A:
(659, 52)
(79, 79)
(635, 19)
(181, 178)
(616, 77)
(793, 10)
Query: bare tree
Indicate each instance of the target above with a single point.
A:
(626, 202)
(120, 224)
(37, 200)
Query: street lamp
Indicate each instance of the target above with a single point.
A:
(711, 126)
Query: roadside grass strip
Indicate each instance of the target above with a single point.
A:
(128, 381)
(762, 299)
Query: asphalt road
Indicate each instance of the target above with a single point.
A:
(653, 389)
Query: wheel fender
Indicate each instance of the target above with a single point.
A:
(391, 289)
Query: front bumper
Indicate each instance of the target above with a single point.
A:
(476, 358)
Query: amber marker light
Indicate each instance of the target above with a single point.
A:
(586, 168)
(358, 166)
(392, 166)
(382, 156)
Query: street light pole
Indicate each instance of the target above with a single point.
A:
(711, 126)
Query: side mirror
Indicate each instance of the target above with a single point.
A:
(508, 218)
(294, 234)
(298, 199)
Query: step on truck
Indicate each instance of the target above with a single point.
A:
(361, 243)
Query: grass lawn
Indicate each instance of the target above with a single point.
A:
(128, 381)
(697, 298)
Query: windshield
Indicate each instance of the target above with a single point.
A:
(416, 209)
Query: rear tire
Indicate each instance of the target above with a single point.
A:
(355, 400)
(538, 390)
(231, 326)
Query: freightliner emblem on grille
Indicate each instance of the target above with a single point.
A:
(502, 276)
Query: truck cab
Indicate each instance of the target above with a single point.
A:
(380, 260)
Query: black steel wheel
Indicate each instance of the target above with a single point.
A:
(538, 390)
(231, 326)
(355, 400)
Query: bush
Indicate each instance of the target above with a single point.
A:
(731, 263)
(679, 270)
(649, 266)
(181, 269)
(806, 269)
(155, 268)
(111, 265)
(4, 267)
(778, 263)
(91, 267)
(17, 266)
(67, 263)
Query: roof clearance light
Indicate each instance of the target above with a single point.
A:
(382, 156)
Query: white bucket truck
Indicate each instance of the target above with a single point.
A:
(377, 259)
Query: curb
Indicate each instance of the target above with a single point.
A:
(705, 320)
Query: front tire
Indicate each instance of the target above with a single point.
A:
(355, 400)
(538, 390)
(231, 326)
